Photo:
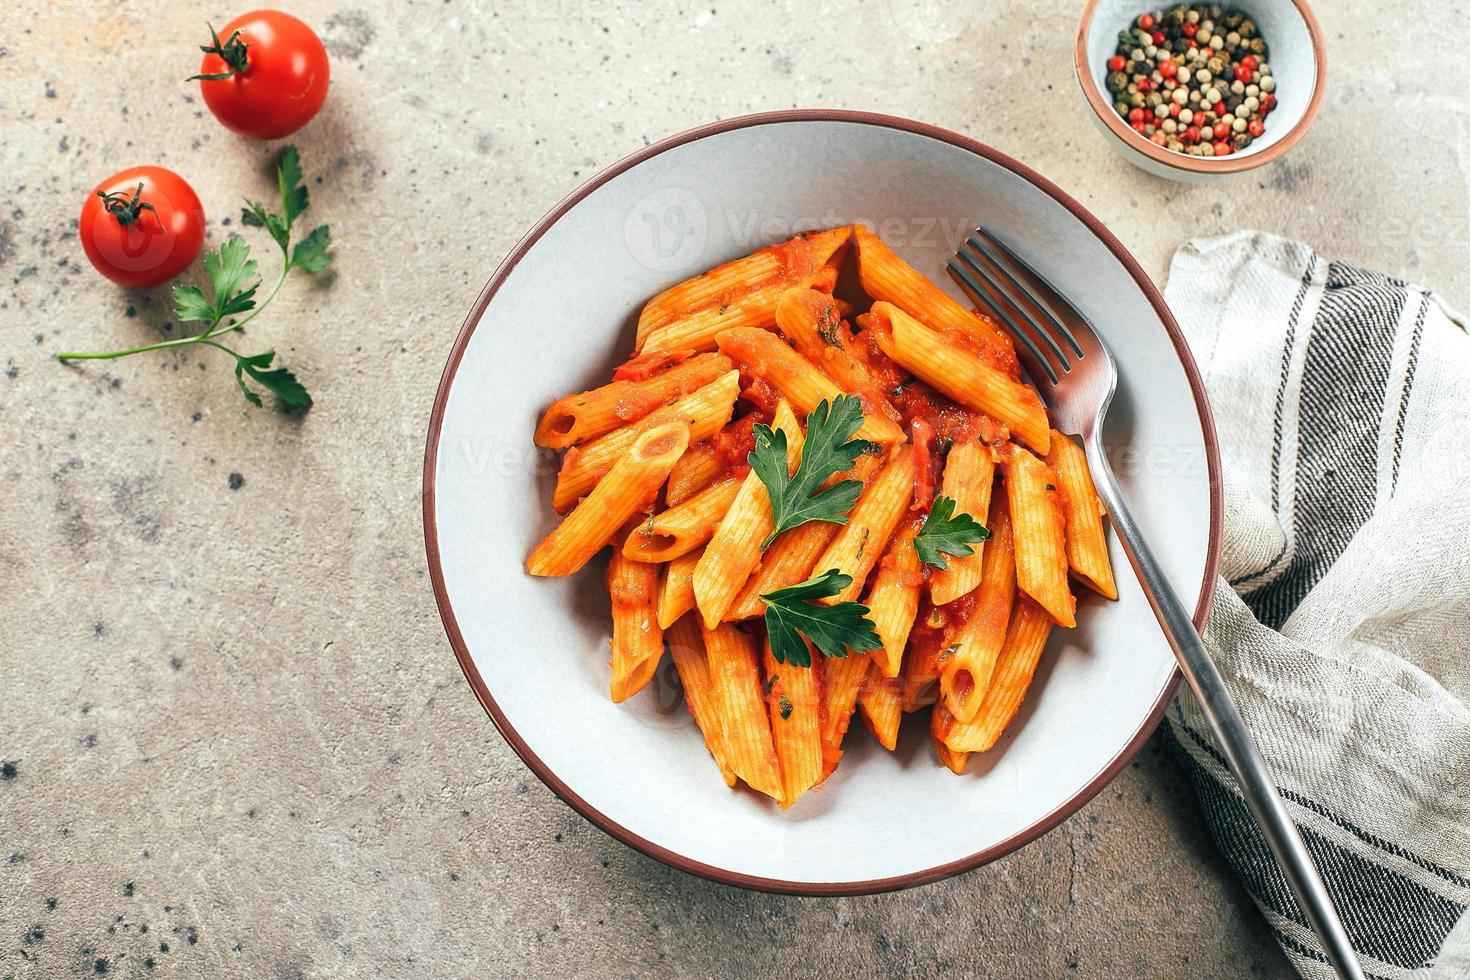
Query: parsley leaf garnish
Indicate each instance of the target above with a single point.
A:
(829, 449)
(234, 284)
(792, 613)
(228, 268)
(947, 533)
(279, 381)
(785, 705)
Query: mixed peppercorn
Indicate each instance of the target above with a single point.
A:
(1193, 79)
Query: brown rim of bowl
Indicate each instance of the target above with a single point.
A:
(1232, 164)
(621, 833)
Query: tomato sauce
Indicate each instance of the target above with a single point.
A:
(797, 257)
(643, 366)
(737, 440)
(760, 393)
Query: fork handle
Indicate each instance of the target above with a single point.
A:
(1230, 731)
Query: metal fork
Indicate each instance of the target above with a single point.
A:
(1074, 372)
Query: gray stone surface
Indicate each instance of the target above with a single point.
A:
(236, 741)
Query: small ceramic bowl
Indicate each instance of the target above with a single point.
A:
(1298, 59)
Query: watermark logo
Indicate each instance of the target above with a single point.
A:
(929, 21)
(666, 231)
(661, 703)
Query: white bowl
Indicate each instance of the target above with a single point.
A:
(1298, 59)
(558, 314)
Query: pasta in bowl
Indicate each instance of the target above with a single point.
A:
(724, 371)
(894, 456)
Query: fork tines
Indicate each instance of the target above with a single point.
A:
(992, 275)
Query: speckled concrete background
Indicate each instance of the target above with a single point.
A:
(233, 740)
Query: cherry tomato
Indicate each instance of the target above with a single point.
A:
(265, 75)
(142, 226)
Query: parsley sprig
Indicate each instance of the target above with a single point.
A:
(829, 448)
(234, 285)
(947, 533)
(793, 613)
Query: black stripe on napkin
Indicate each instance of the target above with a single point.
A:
(1409, 370)
(1291, 945)
(1344, 386)
(1207, 746)
(1386, 915)
(1278, 419)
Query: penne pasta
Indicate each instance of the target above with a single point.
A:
(704, 411)
(972, 647)
(843, 679)
(661, 462)
(1025, 640)
(676, 588)
(1036, 521)
(950, 365)
(794, 699)
(919, 676)
(813, 323)
(734, 668)
(734, 550)
(893, 601)
(628, 487)
(881, 701)
(766, 356)
(637, 639)
(939, 722)
(682, 528)
(755, 310)
(701, 465)
(686, 648)
(781, 265)
(786, 562)
(577, 418)
(1082, 512)
(860, 542)
(888, 278)
(969, 475)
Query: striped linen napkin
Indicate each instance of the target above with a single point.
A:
(1342, 616)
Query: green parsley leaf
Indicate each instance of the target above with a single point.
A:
(947, 533)
(785, 707)
(294, 199)
(190, 304)
(792, 613)
(255, 214)
(288, 180)
(829, 449)
(311, 253)
(228, 267)
(279, 380)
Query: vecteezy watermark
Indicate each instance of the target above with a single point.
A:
(667, 230)
(489, 457)
(753, 229)
(935, 21)
(661, 703)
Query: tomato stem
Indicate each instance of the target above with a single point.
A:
(126, 211)
(232, 52)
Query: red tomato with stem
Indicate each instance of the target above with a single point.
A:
(265, 75)
(142, 226)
